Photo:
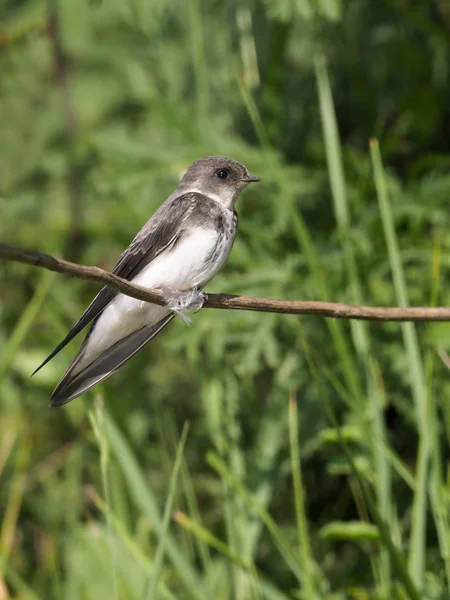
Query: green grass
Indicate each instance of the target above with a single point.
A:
(416, 559)
(304, 546)
(316, 463)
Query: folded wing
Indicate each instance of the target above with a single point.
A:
(72, 386)
(161, 232)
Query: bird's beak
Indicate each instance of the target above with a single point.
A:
(251, 179)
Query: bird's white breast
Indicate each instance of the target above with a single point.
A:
(191, 262)
(187, 265)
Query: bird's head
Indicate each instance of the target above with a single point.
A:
(220, 178)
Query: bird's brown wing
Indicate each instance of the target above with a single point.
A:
(72, 386)
(162, 231)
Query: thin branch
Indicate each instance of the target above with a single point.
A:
(335, 310)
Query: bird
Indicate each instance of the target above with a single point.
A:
(178, 251)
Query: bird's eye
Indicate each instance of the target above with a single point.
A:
(222, 174)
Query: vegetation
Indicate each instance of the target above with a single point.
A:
(251, 455)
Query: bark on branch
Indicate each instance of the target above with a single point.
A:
(335, 310)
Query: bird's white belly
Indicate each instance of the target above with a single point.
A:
(187, 265)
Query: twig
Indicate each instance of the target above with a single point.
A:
(336, 310)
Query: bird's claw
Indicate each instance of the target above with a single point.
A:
(180, 302)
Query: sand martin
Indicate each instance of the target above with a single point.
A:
(184, 244)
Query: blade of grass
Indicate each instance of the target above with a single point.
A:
(247, 43)
(283, 545)
(254, 114)
(129, 542)
(25, 322)
(147, 504)
(308, 248)
(339, 195)
(385, 533)
(437, 484)
(270, 438)
(97, 419)
(184, 521)
(398, 465)
(10, 432)
(159, 557)
(72, 469)
(197, 45)
(169, 439)
(307, 560)
(14, 501)
(416, 559)
(332, 144)
(11, 575)
(189, 494)
(395, 555)
(238, 522)
(198, 530)
(409, 331)
(360, 330)
(382, 458)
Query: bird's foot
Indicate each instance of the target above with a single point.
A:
(180, 302)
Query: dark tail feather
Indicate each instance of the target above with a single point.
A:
(97, 305)
(58, 349)
(102, 367)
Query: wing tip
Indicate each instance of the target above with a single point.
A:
(58, 398)
(70, 387)
(57, 403)
(42, 365)
(64, 393)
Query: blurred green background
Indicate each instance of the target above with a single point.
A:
(315, 464)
